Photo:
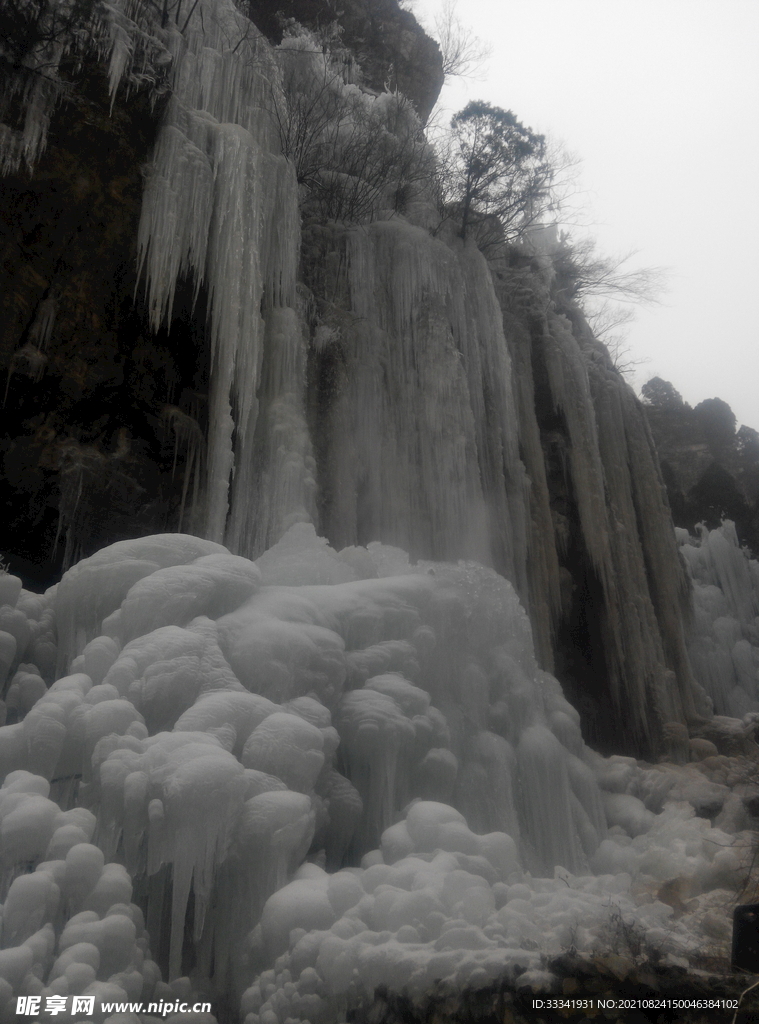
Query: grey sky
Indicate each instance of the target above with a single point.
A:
(660, 101)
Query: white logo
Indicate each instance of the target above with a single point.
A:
(28, 1005)
(55, 1004)
(83, 1004)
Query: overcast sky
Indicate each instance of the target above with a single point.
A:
(660, 101)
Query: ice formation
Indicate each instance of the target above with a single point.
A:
(124, 34)
(219, 732)
(424, 311)
(449, 483)
(597, 497)
(724, 645)
(406, 345)
(290, 781)
(217, 153)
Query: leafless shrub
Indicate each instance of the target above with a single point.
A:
(463, 52)
(353, 152)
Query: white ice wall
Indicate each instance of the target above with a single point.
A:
(420, 437)
(724, 636)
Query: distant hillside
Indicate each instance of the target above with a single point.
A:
(711, 470)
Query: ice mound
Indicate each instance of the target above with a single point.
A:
(97, 585)
(301, 557)
(439, 904)
(724, 645)
(69, 925)
(320, 773)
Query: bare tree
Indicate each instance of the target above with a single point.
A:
(35, 27)
(608, 290)
(352, 152)
(609, 321)
(464, 54)
(44, 45)
(623, 357)
(582, 271)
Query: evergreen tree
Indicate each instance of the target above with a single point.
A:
(500, 168)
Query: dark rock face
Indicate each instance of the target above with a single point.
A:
(392, 50)
(710, 470)
(88, 449)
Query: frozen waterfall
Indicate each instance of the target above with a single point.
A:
(724, 646)
(315, 747)
(216, 155)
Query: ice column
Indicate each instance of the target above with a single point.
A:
(420, 437)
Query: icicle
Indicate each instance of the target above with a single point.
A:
(125, 32)
(275, 487)
(216, 155)
(188, 437)
(44, 321)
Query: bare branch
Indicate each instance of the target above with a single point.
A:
(352, 152)
(464, 54)
(581, 270)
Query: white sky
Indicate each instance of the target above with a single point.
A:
(660, 101)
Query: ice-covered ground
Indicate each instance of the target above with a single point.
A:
(187, 728)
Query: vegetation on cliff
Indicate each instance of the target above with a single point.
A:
(711, 469)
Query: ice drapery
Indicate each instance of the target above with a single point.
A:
(419, 439)
(600, 537)
(419, 313)
(216, 156)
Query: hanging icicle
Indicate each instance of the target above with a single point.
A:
(216, 156)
